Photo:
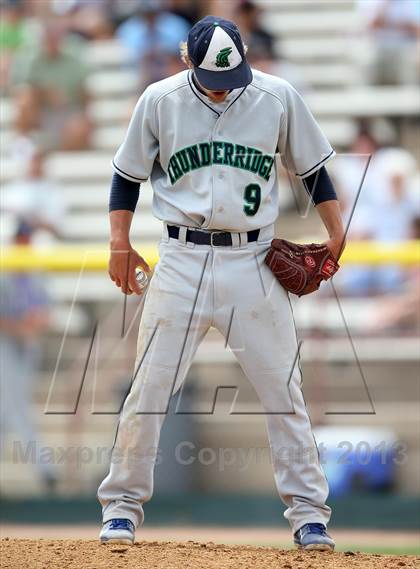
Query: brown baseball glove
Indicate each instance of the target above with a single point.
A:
(300, 268)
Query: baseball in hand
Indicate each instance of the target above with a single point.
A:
(141, 278)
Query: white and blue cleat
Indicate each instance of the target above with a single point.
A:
(118, 530)
(313, 536)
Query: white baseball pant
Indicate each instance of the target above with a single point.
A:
(193, 288)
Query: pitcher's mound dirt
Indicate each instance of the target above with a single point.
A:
(79, 554)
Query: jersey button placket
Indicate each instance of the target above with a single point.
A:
(214, 133)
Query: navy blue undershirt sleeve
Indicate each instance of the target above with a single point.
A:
(124, 193)
(319, 186)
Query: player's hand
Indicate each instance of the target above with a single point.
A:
(122, 268)
(336, 247)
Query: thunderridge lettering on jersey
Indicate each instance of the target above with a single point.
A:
(219, 152)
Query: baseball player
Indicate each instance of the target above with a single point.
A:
(207, 138)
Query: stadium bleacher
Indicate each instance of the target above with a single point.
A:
(323, 44)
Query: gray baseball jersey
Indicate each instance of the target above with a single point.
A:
(212, 165)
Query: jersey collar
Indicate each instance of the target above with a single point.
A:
(234, 94)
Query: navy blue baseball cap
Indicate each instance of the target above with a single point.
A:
(216, 50)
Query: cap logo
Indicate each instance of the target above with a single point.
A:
(222, 54)
(222, 58)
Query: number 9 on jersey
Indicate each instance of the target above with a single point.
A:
(252, 199)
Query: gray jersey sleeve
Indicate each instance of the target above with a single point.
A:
(302, 144)
(136, 155)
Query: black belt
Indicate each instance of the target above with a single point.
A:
(214, 238)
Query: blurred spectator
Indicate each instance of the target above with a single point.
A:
(349, 174)
(397, 201)
(12, 37)
(121, 10)
(152, 37)
(394, 26)
(221, 8)
(24, 315)
(384, 211)
(34, 199)
(404, 310)
(261, 52)
(52, 97)
(247, 18)
(88, 18)
(190, 10)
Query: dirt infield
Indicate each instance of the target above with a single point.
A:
(80, 554)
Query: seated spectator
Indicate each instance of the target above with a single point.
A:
(220, 8)
(261, 48)
(247, 17)
(349, 172)
(12, 38)
(394, 26)
(121, 10)
(397, 202)
(34, 199)
(24, 318)
(387, 208)
(51, 97)
(90, 19)
(402, 313)
(190, 10)
(152, 37)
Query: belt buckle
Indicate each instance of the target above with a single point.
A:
(215, 233)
